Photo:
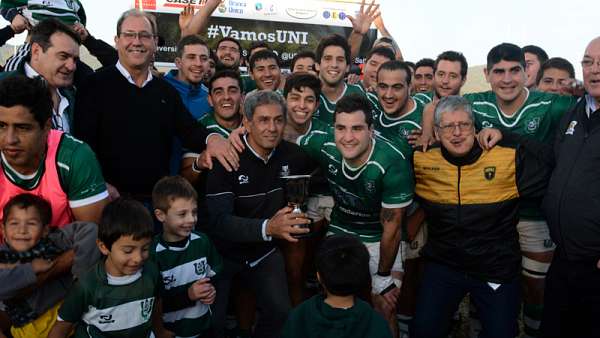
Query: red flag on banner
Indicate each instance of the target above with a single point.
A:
(145, 4)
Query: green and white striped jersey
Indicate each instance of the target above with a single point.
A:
(180, 267)
(326, 107)
(100, 309)
(67, 11)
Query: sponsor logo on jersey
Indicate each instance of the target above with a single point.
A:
(106, 319)
(243, 179)
(571, 128)
(167, 280)
(146, 308)
(486, 124)
(489, 173)
(533, 124)
(70, 4)
(370, 186)
(200, 267)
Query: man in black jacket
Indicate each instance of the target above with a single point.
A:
(247, 212)
(572, 208)
(471, 198)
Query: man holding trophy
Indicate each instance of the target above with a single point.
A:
(372, 184)
(248, 210)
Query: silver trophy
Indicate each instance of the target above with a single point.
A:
(296, 192)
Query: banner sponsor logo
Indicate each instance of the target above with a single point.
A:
(301, 13)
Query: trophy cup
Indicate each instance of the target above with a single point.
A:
(296, 192)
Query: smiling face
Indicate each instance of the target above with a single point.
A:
(23, 228)
(58, 63)
(532, 66)
(22, 140)
(265, 130)
(301, 105)
(392, 90)
(333, 66)
(456, 132)
(136, 43)
(370, 69)
(555, 81)
(192, 64)
(423, 79)
(305, 65)
(507, 79)
(266, 74)
(126, 256)
(447, 78)
(229, 54)
(179, 220)
(225, 98)
(353, 137)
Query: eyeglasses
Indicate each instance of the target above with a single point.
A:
(462, 126)
(588, 63)
(143, 36)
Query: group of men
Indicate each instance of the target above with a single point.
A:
(422, 176)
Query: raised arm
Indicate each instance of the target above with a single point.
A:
(360, 26)
(191, 23)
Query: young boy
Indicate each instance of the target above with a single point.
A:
(343, 271)
(186, 259)
(116, 297)
(29, 250)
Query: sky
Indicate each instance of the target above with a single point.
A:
(427, 28)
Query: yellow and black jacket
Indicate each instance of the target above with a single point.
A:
(471, 204)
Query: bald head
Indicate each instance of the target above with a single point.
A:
(591, 69)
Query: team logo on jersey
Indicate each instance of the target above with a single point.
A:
(146, 308)
(332, 169)
(243, 179)
(200, 267)
(70, 4)
(548, 243)
(285, 170)
(486, 124)
(533, 124)
(414, 245)
(370, 186)
(404, 132)
(489, 173)
(571, 128)
(106, 319)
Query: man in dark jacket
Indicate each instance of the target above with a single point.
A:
(572, 208)
(471, 198)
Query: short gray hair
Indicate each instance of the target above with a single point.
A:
(261, 98)
(136, 12)
(450, 104)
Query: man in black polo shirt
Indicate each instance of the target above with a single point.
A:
(247, 210)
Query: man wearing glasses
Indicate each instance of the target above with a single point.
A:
(129, 117)
(572, 208)
(471, 199)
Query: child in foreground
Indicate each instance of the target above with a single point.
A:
(343, 272)
(186, 259)
(30, 249)
(116, 298)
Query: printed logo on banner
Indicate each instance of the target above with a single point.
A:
(265, 8)
(301, 13)
(232, 7)
(334, 15)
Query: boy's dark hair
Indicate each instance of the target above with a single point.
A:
(189, 40)
(425, 62)
(396, 65)
(410, 64)
(343, 265)
(299, 80)
(42, 32)
(333, 40)
(32, 94)
(227, 38)
(257, 44)
(170, 188)
(537, 51)
(263, 54)
(124, 217)
(302, 55)
(505, 52)
(26, 200)
(352, 103)
(453, 56)
(558, 63)
(225, 73)
(383, 51)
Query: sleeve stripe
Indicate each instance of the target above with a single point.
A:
(88, 200)
(395, 206)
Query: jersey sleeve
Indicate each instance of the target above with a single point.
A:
(80, 174)
(214, 259)
(560, 106)
(312, 143)
(398, 185)
(75, 304)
